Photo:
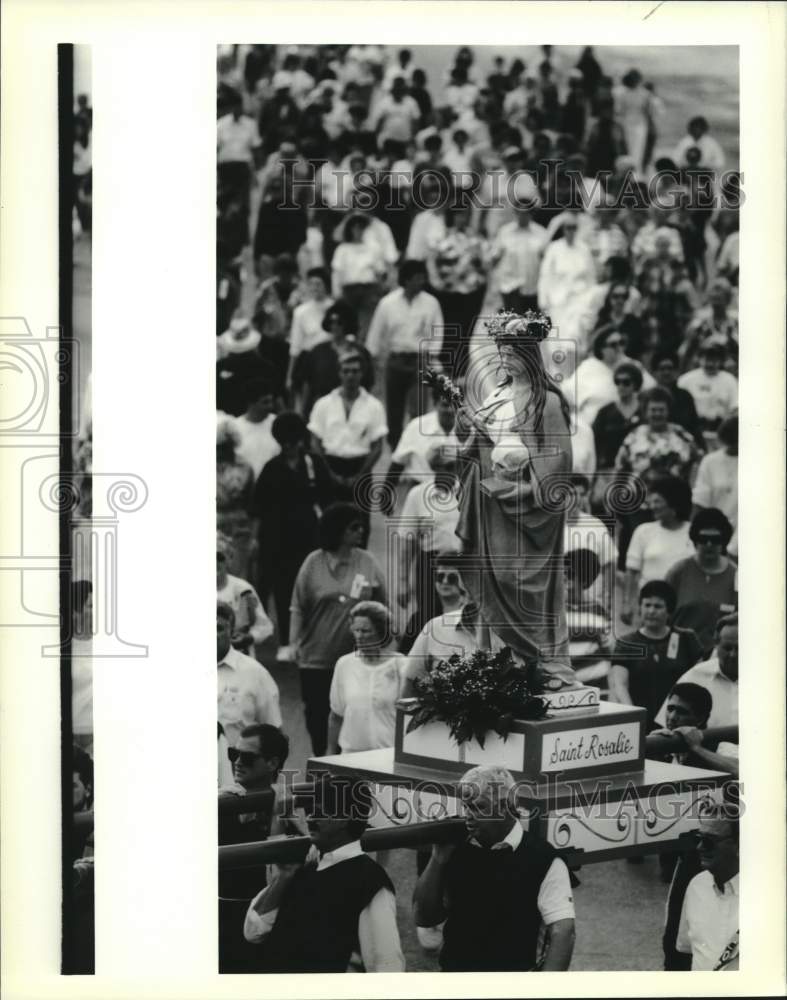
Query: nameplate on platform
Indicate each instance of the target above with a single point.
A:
(590, 747)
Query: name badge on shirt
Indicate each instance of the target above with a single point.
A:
(359, 582)
(672, 646)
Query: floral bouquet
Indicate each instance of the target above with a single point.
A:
(445, 387)
(476, 693)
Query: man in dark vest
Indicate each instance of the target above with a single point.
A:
(497, 889)
(316, 916)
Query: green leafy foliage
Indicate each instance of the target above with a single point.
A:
(475, 694)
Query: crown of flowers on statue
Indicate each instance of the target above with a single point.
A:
(444, 386)
(506, 325)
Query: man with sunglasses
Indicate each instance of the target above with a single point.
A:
(256, 759)
(708, 929)
(705, 584)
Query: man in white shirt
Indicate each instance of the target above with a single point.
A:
(712, 155)
(709, 921)
(719, 675)
(347, 427)
(407, 323)
(238, 141)
(518, 249)
(409, 462)
(337, 911)
(397, 114)
(246, 691)
(714, 391)
(496, 890)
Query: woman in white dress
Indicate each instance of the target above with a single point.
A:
(634, 105)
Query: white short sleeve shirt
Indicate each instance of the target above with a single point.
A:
(365, 696)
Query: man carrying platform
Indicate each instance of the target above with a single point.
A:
(497, 889)
(314, 917)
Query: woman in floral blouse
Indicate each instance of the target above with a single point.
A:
(657, 446)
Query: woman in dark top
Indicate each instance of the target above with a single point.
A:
(290, 493)
(646, 664)
(615, 420)
(613, 313)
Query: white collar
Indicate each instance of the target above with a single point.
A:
(730, 887)
(512, 839)
(713, 668)
(343, 853)
(232, 659)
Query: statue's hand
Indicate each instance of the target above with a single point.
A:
(518, 491)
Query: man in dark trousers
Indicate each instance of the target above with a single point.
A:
(317, 916)
(496, 889)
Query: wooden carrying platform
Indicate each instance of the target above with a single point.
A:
(587, 820)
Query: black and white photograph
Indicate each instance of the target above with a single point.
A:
(477, 338)
(498, 297)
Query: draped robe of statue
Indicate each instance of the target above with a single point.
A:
(513, 548)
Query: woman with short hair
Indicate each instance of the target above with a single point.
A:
(366, 684)
(332, 580)
(594, 378)
(615, 420)
(358, 268)
(657, 545)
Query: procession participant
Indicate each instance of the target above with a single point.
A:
(308, 327)
(666, 368)
(705, 584)
(409, 462)
(646, 663)
(348, 427)
(656, 545)
(429, 519)
(496, 889)
(716, 484)
(615, 420)
(402, 321)
(520, 435)
(338, 906)
(331, 581)
(366, 684)
(719, 675)
(715, 391)
(257, 444)
(709, 920)
(318, 370)
(456, 630)
(246, 691)
(252, 625)
(292, 491)
(586, 531)
(518, 249)
(234, 485)
(256, 759)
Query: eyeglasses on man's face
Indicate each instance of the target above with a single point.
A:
(247, 758)
(708, 540)
(447, 577)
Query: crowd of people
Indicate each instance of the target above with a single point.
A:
(368, 219)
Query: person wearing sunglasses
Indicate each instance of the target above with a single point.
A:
(706, 584)
(595, 376)
(430, 515)
(455, 630)
(708, 928)
(615, 420)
